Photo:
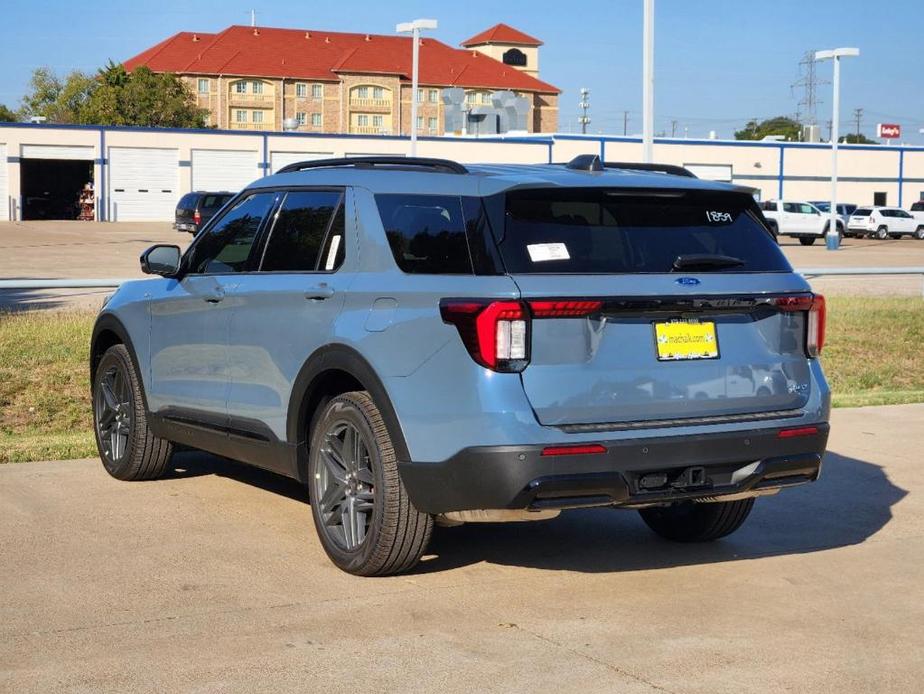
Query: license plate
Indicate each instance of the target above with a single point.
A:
(677, 340)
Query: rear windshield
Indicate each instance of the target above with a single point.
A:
(188, 201)
(591, 231)
(862, 212)
(918, 206)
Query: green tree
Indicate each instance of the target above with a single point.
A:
(7, 115)
(861, 139)
(58, 100)
(142, 97)
(781, 125)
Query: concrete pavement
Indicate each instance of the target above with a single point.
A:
(213, 580)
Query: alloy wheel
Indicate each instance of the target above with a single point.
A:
(113, 410)
(345, 485)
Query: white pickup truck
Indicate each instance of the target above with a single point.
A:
(801, 220)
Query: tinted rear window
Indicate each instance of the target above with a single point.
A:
(589, 231)
(862, 212)
(188, 201)
(918, 207)
(213, 202)
(426, 233)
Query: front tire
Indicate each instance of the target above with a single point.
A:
(127, 448)
(688, 521)
(364, 518)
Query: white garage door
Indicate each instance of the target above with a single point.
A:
(230, 170)
(4, 194)
(58, 152)
(280, 159)
(143, 184)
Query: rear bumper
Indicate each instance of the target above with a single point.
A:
(520, 477)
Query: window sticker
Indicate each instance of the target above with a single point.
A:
(718, 217)
(332, 253)
(542, 252)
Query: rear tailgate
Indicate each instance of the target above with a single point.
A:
(682, 320)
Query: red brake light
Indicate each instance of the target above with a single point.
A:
(797, 431)
(814, 305)
(197, 217)
(564, 309)
(579, 449)
(495, 333)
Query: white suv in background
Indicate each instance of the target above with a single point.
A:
(801, 220)
(884, 223)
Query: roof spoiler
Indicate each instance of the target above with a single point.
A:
(592, 162)
(437, 165)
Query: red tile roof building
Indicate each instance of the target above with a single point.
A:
(254, 78)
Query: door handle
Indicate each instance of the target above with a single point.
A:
(215, 296)
(319, 293)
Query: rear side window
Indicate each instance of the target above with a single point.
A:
(300, 230)
(918, 206)
(862, 212)
(426, 233)
(213, 202)
(768, 206)
(590, 231)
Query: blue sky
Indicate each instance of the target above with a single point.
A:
(718, 62)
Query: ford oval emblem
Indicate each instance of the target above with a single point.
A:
(687, 281)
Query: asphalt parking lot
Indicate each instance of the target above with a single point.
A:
(213, 580)
(93, 250)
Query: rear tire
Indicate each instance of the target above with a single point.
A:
(127, 448)
(364, 518)
(882, 233)
(919, 233)
(806, 240)
(688, 521)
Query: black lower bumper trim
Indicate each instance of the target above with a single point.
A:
(518, 477)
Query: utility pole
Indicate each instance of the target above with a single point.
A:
(858, 116)
(253, 18)
(673, 128)
(830, 126)
(584, 119)
(625, 122)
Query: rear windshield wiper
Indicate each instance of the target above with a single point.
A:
(705, 261)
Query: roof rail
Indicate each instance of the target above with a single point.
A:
(440, 165)
(591, 162)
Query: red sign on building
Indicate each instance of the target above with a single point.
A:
(888, 131)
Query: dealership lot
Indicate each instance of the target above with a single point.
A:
(213, 580)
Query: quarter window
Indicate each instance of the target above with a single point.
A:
(226, 246)
(300, 231)
(426, 233)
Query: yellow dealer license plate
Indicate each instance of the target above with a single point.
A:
(679, 339)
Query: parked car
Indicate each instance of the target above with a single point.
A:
(195, 209)
(917, 210)
(419, 342)
(884, 223)
(844, 210)
(800, 220)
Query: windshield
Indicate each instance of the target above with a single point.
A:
(592, 230)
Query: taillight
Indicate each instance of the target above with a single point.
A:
(796, 432)
(814, 306)
(197, 218)
(495, 333)
(577, 449)
(564, 308)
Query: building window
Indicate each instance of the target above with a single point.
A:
(433, 96)
(362, 93)
(470, 98)
(362, 120)
(316, 120)
(240, 87)
(431, 124)
(420, 96)
(300, 117)
(485, 98)
(258, 116)
(240, 116)
(879, 199)
(301, 90)
(420, 122)
(203, 86)
(515, 57)
(378, 93)
(377, 122)
(317, 91)
(257, 87)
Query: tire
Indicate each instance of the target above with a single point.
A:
(882, 233)
(806, 240)
(919, 233)
(691, 522)
(364, 518)
(127, 448)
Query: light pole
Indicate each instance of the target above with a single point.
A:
(414, 28)
(832, 240)
(648, 82)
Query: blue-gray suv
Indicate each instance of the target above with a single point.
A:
(423, 342)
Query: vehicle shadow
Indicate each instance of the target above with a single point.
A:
(851, 502)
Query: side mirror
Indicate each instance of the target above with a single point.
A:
(161, 259)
